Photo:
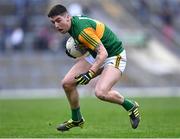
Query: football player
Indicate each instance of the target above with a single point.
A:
(107, 59)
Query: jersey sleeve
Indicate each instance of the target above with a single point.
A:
(89, 38)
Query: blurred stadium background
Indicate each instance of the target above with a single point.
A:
(32, 58)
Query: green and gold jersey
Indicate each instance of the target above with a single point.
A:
(90, 33)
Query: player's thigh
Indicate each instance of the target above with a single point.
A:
(113, 68)
(80, 67)
(108, 78)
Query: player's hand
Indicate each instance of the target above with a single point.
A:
(84, 78)
(69, 54)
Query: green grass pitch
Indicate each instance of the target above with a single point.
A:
(39, 117)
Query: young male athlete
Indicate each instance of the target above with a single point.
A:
(107, 59)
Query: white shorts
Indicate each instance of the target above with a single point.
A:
(118, 61)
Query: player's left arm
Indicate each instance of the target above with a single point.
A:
(100, 58)
(89, 38)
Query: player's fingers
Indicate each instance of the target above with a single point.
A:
(77, 77)
(86, 81)
(78, 81)
(82, 81)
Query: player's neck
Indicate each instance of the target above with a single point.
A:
(70, 25)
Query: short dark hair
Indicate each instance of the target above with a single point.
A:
(57, 10)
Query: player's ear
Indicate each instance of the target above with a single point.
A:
(68, 17)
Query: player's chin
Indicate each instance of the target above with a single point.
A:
(62, 31)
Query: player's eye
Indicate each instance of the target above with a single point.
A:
(53, 22)
(58, 20)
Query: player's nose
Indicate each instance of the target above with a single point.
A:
(56, 25)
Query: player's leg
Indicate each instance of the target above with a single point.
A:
(106, 81)
(69, 86)
(69, 83)
(111, 74)
(104, 91)
(108, 78)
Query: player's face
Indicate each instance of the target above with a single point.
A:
(62, 23)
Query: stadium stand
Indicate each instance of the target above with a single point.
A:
(36, 59)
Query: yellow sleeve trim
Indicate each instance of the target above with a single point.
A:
(100, 27)
(89, 38)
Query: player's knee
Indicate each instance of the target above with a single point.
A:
(67, 85)
(100, 93)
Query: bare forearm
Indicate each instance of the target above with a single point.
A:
(100, 58)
